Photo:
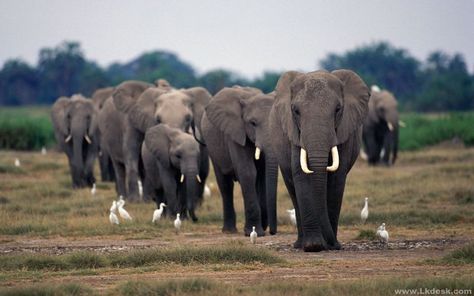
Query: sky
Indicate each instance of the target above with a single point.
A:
(248, 37)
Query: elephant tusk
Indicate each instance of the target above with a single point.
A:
(198, 178)
(402, 124)
(335, 160)
(68, 139)
(257, 153)
(88, 139)
(182, 178)
(390, 126)
(304, 162)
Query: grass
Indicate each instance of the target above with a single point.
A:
(465, 255)
(48, 290)
(25, 128)
(423, 131)
(366, 234)
(183, 256)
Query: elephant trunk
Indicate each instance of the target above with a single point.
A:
(271, 180)
(191, 181)
(78, 162)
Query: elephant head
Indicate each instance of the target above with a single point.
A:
(180, 109)
(100, 95)
(75, 122)
(319, 112)
(383, 114)
(178, 157)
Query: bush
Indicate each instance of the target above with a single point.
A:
(25, 128)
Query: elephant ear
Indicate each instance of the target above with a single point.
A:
(200, 98)
(142, 113)
(127, 93)
(356, 99)
(58, 114)
(158, 141)
(375, 98)
(225, 112)
(100, 95)
(282, 105)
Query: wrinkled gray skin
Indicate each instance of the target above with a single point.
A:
(73, 119)
(317, 111)
(255, 114)
(376, 133)
(230, 130)
(167, 154)
(107, 173)
(135, 107)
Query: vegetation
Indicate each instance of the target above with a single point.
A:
(464, 255)
(440, 83)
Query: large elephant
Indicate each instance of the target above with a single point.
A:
(173, 174)
(231, 129)
(135, 107)
(105, 162)
(75, 128)
(315, 124)
(381, 128)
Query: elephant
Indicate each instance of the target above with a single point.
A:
(315, 125)
(75, 128)
(172, 161)
(233, 125)
(133, 108)
(381, 128)
(107, 173)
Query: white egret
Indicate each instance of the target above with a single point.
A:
(17, 162)
(292, 214)
(140, 188)
(253, 235)
(207, 192)
(93, 190)
(364, 214)
(157, 213)
(43, 151)
(113, 218)
(123, 213)
(384, 234)
(177, 224)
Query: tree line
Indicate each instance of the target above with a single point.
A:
(441, 82)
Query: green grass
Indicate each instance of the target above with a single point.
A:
(48, 290)
(366, 234)
(423, 130)
(25, 128)
(464, 255)
(184, 256)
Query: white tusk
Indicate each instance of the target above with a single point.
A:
(257, 153)
(402, 124)
(390, 126)
(304, 162)
(335, 160)
(198, 178)
(68, 139)
(88, 139)
(182, 178)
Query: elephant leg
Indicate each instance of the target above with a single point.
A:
(373, 149)
(132, 149)
(336, 185)
(387, 146)
(261, 191)
(226, 187)
(290, 186)
(120, 178)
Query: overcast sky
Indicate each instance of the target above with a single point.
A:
(244, 36)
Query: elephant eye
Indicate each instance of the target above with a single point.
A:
(187, 118)
(253, 123)
(296, 111)
(158, 119)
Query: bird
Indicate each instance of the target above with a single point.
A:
(122, 212)
(157, 213)
(292, 214)
(253, 236)
(93, 190)
(384, 234)
(379, 229)
(364, 214)
(207, 192)
(375, 88)
(140, 188)
(113, 214)
(177, 224)
(17, 162)
(43, 151)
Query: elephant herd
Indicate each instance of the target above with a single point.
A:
(309, 127)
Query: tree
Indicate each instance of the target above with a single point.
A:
(18, 83)
(216, 80)
(267, 82)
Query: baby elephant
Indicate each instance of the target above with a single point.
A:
(173, 175)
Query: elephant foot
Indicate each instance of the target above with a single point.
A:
(229, 229)
(298, 244)
(273, 231)
(336, 246)
(259, 230)
(314, 243)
